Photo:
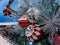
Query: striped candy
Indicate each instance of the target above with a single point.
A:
(34, 33)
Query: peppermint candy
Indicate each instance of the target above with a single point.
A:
(34, 33)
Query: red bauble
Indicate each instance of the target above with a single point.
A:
(57, 41)
(34, 33)
(23, 21)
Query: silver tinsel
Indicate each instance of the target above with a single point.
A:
(49, 15)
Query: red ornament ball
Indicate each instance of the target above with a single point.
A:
(23, 21)
(57, 41)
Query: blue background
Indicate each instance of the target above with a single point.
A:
(3, 4)
(14, 6)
